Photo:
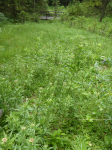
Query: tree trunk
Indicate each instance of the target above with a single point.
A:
(104, 5)
(34, 5)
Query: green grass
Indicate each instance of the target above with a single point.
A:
(90, 24)
(55, 84)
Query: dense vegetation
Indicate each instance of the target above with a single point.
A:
(56, 88)
(28, 10)
(56, 75)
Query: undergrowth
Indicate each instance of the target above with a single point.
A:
(55, 88)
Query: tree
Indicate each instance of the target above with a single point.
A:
(62, 2)
(100, 4)
(12, 8)
(103, 8)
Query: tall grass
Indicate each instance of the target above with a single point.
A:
(55, 88)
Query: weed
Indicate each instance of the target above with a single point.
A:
(55, 88)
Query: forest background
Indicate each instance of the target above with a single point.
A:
(19, 10)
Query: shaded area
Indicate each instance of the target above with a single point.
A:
(48, 17)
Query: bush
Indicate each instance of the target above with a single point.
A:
(2, 17)
(22, 16)
(75, 10)
(109, 9)
(73, 14)
(25, 16)
(110, 32)
(35, 17)
(80, 21)
(64, 17)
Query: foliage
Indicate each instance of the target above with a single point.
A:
(22, 16)
(89, 3)
(109, 8)
(75, 10)
(110, 32)
(90, 24)
(55, 88)
(19, 9)
(2, 17)
(62, 2)
(89, 8)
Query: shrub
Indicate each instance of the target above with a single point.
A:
(2, 17)
(64, 17)
(80, 20)
(35, 17)
(23, 16)
(110, 32)
(75, 10)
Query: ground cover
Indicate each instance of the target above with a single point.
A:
(55, 88)
(90, 24)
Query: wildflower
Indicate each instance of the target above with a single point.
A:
(102, 57)
(32, 125)
(41, 88)
(101, 85)
(103, 61)
(90, 143)
(50, 83)
(64, 83)
(31, 140)
(101, 109)
(80, 45)
(99, 44)
(23, 128)
(4, 140)
(49, 100)
(45, 146)
(15, 80)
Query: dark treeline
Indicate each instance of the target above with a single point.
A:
(62, 2)
(22, 10)
(13, 7)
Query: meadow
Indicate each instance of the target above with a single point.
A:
(55, 88)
